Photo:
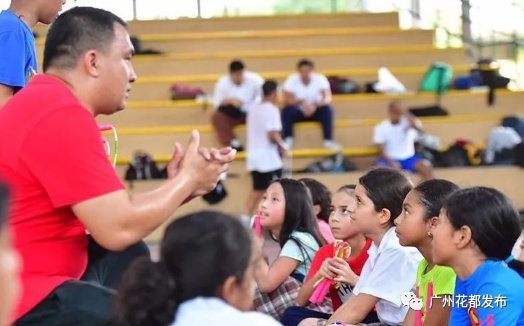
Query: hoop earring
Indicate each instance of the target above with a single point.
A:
(430, 235)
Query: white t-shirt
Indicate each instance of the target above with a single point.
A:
(214, 311)
(390, 271)
(311, 92)
(262, 154)
(249, 91)
(398, 139)
(305, 255)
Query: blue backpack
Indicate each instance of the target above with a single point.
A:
(516, 123)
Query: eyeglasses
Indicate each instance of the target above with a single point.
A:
(106, 128)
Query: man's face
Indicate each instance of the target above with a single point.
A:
(116, 72)
(395, 113)
(237, 77)
(49, 9)
(305, 73)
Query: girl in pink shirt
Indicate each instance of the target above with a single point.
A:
(322, 201)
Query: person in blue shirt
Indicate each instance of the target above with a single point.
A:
(476, 231)
(18, 56)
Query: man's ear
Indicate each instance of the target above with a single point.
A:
(91, 63)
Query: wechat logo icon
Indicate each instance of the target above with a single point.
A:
(409, 299)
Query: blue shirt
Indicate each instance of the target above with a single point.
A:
(303, 253)
(492, 295)
(17, 51)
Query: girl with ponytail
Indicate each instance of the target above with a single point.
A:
(205, 276)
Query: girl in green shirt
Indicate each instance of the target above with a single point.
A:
(419, 214)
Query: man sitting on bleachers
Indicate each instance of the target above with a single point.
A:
(395, 138)
(307, 97)
(234, 93)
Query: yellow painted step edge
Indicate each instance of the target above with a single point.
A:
(283, 74)
(308, 125)
(336, 98)
(292, 52)
(297, 153)
(198, 36)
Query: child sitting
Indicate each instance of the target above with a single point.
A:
(419, 214)
(286, 211)
(204, 277)
(390, 269)
(321, 202)
(325, 266)
(475, 233)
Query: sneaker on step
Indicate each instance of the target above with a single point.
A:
(329, 144)
(236, 144)
(289, 143)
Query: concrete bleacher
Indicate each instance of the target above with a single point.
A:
(263, 60)
(354, 46)
(347, 107)
(278, 22)
(349, 133)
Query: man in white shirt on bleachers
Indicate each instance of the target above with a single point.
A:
(234, 93)
(395, 138)
(307, 97)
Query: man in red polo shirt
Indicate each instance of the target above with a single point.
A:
(63, 184)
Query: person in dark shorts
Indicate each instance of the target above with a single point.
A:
(264, 143)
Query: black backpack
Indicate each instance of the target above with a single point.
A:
(143, 167)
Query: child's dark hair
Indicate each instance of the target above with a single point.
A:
(4, 204)
(320, 195)
(298, 215)
(269, 87)
(494, 222)
(433, 194)
(387, 189)
(198, 253)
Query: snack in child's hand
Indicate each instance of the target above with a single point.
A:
(258, 227)
(342, 250)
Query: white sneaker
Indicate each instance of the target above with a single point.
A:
(329, 144)
(289, 142)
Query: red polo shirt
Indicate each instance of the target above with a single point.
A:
(52, 156)
(356, 265)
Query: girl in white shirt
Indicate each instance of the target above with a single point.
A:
(390, 270)
(205, 277)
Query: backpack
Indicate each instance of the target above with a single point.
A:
(488, 71)
(340, 85)
(137, 45)
(461, 153)
(515, 123)
(143, 167)
(181, 91)
(216, 195)
(519, 154)
(437, 78)
(334, 163)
